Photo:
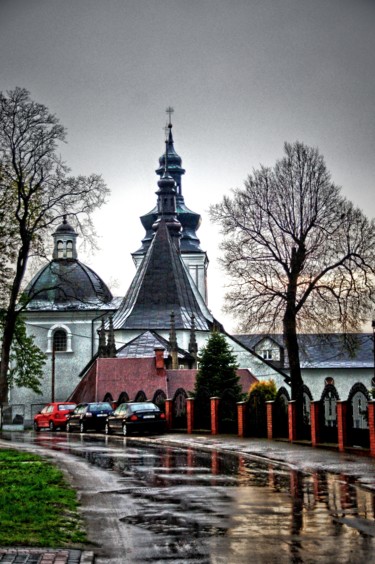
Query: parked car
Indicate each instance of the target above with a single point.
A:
(53, 416)
(136, 417)
(89, 416)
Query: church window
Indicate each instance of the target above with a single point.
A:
(59, 340)
(60, 249)
(69, 249)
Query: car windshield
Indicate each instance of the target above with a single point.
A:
(143, 407)
(99, 406)
(67, 406)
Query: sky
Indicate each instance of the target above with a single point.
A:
(243, 77)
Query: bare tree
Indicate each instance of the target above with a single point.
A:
(297, 252)
(35, 192)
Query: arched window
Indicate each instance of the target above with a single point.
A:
(69, 249)
(59, 340)
(60, 249)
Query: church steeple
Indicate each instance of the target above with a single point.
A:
(170, 161)
(193, 256)
(167, 204)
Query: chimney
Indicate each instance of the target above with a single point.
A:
(159, 359)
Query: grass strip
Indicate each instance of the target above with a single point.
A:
(37, 506)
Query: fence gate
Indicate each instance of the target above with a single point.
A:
(359, 434)
(179, 418)
(280, 420)
(202, 410)
(159, 400)
(303, 402)
(228, 413)
(329, 414)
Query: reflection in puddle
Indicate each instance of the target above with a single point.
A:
(182, 504)
(252, 511)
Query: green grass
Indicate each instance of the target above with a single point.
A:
(37, 506)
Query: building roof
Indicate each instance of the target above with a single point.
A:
(324, 350)
(144, 346)
(161, 285)
(66, 284)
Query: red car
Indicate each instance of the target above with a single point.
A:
(53, 415)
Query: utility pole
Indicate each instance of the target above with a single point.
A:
(53, 358)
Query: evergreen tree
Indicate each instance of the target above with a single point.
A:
(218, 368)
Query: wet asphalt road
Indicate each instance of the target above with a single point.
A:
(147, 502)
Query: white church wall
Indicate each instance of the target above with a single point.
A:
(68, 364)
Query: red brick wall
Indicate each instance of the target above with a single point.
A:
(215, 416)
(292, 420)
(131, 375)
(241, 406)
(270, 412)
(314, 415)
(190, 415)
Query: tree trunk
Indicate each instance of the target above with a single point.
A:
(291, 342)
(290, 322)
(10, 320)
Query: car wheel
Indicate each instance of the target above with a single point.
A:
(107, 430)
(36, 428)
(52, 426)
(82, 427)
(125, 431)
(68, 428)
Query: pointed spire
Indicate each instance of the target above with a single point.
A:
(173, 342)
(174, 167)
(102, 349)
(193, 346)
(111, 345)
(167, 205)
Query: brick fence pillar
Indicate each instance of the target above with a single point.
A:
(190, 415)
(292, 420)
(270, 413)
(168, 413)
(341, 425)
(241, 418)
(371, 426)
(315, 422)
(215, 415)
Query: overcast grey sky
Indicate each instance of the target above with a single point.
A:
(242, 75)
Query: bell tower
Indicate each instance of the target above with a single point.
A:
(194, 258)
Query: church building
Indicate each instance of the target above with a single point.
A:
(163, 319)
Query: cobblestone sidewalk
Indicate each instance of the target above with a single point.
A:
(44, 556)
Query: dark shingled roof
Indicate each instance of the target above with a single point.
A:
(162, 285)
(324, 350)
(67, 284)
(144, 346)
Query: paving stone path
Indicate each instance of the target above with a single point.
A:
(44, 556)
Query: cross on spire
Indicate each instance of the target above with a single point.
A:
(169, 111)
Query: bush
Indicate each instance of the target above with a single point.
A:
(259, 393)
(264, 391)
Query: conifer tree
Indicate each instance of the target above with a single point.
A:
(218, 368)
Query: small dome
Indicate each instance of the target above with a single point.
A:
(67, 284)
(65, 227)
